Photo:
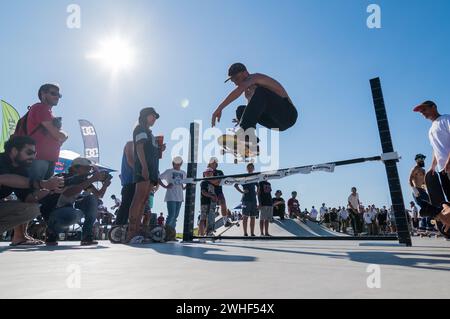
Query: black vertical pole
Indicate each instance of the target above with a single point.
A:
(189, 209)
(404, 236)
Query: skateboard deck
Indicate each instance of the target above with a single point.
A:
(241, 151)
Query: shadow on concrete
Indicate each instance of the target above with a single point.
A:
(195, 251)
(49, 248)
(376, 257)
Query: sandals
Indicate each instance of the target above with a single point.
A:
(27, 243)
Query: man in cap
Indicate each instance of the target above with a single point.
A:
(175, 187)
(268, 103)
(73, 204)
(439, 135)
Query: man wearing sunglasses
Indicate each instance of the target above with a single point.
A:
(44, 128)
(19, 154)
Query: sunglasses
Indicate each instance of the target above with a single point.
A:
(55, 94)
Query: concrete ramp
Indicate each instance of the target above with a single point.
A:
(284, 228)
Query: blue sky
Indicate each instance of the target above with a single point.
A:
(321, 51)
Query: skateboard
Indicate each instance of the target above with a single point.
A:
(160, 234)
(237, 224)
(239, 149)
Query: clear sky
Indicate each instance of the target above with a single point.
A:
(321, 51)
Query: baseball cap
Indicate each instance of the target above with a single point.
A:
(425, 104)
(420, 156)
(81, 161)
(149, 111)
(177, 160)
(213, 160)
(235, 69)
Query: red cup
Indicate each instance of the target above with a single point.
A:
(160, 142)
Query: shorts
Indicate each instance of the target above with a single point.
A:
(207, 210)
(13, 214)
(249, 209)
(266, 213)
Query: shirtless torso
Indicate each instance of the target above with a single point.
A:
(417, 177)
(265, 81)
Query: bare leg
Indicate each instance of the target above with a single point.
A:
(19, 234)
(252, 225)
(244, 223)
(201, 228)
(266, 227)
(137, 208)
(261, 227)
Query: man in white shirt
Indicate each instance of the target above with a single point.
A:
(174, 193)
(353, 205)
(439, 136)
(323, 212)
(313, 214)
(368, 221)
(343, 219)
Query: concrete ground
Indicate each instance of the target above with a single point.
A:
(228, 269)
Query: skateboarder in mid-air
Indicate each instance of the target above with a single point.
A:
(268, 103)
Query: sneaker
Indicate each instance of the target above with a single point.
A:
(51, 240)
(89, 243)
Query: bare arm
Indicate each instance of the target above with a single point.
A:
(71, 191)
(17, 181)
(14, 181)
(129, 154)
(411, 178)
(236, 186)
(141, 155)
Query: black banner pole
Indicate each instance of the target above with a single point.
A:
(398, 204)
(189, 210)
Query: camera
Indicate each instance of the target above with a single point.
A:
(106, 177)
(57, 122)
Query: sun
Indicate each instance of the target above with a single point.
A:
(115, 54)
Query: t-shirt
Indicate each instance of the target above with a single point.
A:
(151, 151)
(326, 216)
(333, 216)
(354, 200)
(323, 211)
(281, 209)
(439, 136)
(161, 220)
(293, 205)
(6, 167)
(173, 176)
(343, 214)
(218, 189)
(265, 196)
(47, 147)
(250, 196)
(368, 217)
(382, 216)
(209, 188)
(313, 214)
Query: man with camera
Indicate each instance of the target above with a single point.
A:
(79, 199)
(20, 152)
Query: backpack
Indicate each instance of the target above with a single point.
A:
(22, 126)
